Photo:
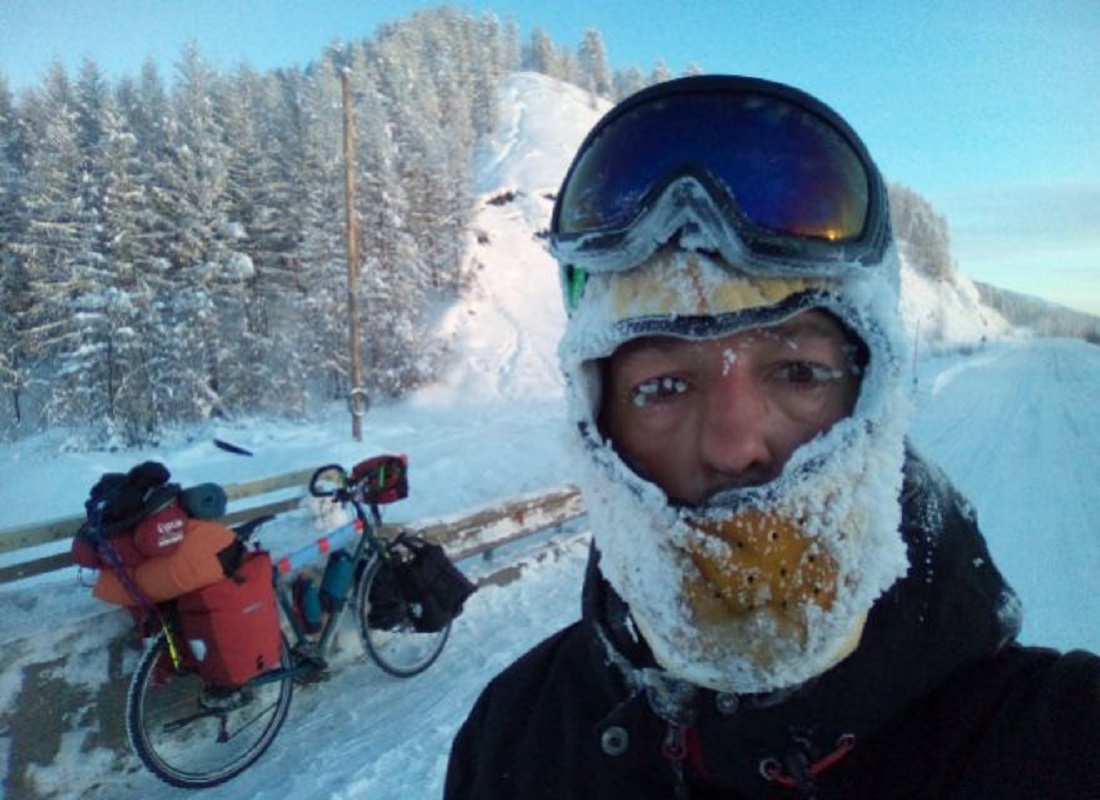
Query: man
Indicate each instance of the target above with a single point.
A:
(783, 600)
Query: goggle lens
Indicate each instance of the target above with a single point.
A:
(784, 168)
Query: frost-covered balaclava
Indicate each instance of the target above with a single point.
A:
(767, 586)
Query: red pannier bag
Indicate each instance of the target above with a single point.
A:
(232, 627)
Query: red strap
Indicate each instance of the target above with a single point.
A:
(771, 770)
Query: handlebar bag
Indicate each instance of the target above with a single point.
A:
(232, 627)
(385, 479)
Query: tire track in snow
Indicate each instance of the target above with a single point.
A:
(1018, 434)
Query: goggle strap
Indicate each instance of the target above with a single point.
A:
(574, 280)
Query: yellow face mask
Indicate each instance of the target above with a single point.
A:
(756, 561)
(760, 564)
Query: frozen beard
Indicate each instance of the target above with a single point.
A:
(768, 586)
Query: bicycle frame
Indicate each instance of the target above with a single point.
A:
(368, 548)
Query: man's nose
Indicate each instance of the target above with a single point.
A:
(735, 429)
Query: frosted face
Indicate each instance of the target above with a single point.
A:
(700, 417)
(741, 477)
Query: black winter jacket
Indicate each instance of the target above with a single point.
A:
(937, 702)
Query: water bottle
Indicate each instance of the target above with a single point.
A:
(339, 572)
(308, 603)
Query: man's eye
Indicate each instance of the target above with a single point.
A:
(656, 389)
(808, 373)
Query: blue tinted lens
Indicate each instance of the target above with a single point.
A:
(783, 168)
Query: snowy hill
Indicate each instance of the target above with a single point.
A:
(507, 326)
(945, 316)
(1041, 316)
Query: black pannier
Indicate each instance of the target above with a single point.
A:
(387, 603)
(432, 586)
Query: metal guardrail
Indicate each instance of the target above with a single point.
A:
(469, 535)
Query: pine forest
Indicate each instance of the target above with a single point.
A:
(173, 250)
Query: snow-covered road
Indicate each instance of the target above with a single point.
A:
(1018, 429)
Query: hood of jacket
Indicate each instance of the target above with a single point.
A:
(951, 609)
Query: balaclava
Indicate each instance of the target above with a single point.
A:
(767, 586)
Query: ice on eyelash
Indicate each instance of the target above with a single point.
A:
(649, 389)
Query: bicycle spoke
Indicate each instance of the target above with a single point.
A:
(172, 727)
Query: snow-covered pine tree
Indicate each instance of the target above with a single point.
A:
(142, 215)
(57, 244)
(395, 163)
(15, 296)
(921, 232)
(202, 313)
(592, 63)
(190, 242)
(541, 55)
(626, 82)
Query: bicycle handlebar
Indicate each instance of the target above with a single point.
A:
(377, 480)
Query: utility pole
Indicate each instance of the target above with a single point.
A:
(357, 397)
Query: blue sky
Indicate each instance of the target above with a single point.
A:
(988, 108)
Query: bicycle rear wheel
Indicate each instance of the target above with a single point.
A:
(387, 629)
(191, 737)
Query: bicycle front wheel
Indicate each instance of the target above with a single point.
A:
(194, 737)
(387, 628)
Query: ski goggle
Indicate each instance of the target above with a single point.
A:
(768, 176)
